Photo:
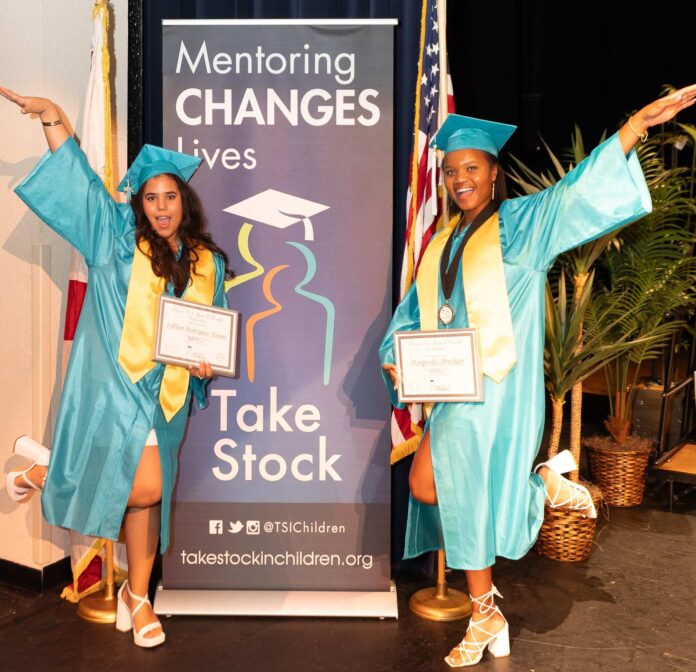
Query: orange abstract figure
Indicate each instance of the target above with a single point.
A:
(257, 317)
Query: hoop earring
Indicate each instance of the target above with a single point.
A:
(493, 192)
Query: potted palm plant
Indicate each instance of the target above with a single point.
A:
(566, 534)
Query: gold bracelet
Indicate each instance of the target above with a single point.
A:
(642, 137)
(57, 122)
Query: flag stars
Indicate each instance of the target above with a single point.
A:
(424, 79)
(435, 26)
(429, 49)
(434, 70)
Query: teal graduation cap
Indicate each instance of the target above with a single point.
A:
(460, 132)
(152, 161)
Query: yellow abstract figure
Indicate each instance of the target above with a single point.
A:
(243, 244)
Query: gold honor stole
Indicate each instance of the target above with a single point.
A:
(138, 334)
(485, 294)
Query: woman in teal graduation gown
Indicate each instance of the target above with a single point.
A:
(472, 487)
(122, 416)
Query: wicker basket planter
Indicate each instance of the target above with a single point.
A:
(619, 471)
(567, 535)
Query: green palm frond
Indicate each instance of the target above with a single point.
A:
(565, 362)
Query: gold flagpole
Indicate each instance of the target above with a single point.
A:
(441, 603)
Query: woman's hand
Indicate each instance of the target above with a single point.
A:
(203, 370)
(663, 109)
(55, 130)
(659, 111)
(393, 374)
(29, 104)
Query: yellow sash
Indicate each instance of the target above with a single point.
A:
(485, 294)
(138, 334)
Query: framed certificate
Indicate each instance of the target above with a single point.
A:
(189, 332)
(438, 365)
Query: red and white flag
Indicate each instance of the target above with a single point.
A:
(434, 100)
(86, 551)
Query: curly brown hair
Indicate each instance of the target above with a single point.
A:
(192, 233)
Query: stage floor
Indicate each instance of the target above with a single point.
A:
(629, 608)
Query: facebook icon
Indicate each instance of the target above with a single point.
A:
(214, 527)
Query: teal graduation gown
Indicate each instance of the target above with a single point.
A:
(103, 418)
(489, 502)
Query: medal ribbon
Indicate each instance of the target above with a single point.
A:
(485, 293)
(139, 322)
(448, 271)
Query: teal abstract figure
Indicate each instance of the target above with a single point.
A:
(321, 300)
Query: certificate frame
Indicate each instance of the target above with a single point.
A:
(419, 384)
(224, 323)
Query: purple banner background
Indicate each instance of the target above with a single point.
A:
(310, 428)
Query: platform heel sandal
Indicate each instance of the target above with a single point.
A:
(468, 653)
(578, 497)
(124, 619)
(32, 450)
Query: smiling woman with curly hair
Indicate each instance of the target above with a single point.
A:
(122, 416)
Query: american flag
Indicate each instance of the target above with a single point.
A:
(434, 100)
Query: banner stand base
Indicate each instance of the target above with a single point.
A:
(340, 604)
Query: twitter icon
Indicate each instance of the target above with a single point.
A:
(234, 528)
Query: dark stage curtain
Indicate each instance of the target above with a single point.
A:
(145, 109)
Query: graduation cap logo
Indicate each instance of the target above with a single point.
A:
(279, 209)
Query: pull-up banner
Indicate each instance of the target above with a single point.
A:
(284, 479)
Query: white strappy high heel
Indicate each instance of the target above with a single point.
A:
(578, 497)
(32, 450)
(124, 619)
(498, 643)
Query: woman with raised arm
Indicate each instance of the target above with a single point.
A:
(122, 416)
(473, 491)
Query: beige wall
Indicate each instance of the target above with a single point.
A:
(44, 50)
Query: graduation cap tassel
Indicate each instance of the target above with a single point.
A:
(308, 229)
(128, 189)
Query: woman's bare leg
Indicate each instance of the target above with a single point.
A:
(421, 479)
(141, 526)
(480, 582)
